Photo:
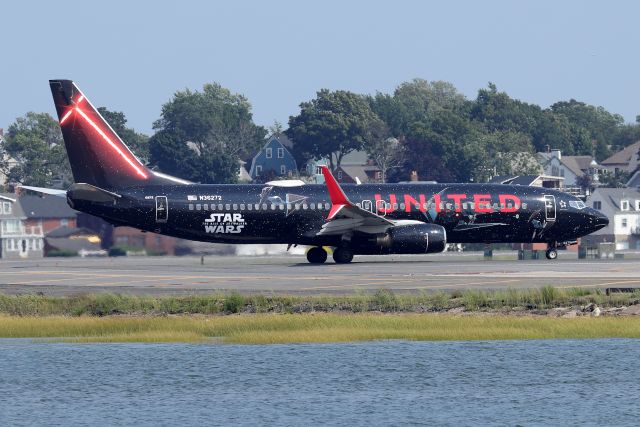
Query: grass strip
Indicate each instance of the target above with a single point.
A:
(314, 328)
(382, 300)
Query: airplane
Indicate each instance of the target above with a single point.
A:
(113, 184)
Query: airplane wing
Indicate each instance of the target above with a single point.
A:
(345, 216)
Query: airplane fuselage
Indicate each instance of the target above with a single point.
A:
(470, 213)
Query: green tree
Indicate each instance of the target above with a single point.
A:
(331, 125)
(33, 152)
(137, 142)
(202, 136)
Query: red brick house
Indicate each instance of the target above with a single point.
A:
(48, 212)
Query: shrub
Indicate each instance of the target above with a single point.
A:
(234, 303)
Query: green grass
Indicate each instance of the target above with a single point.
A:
(382, 300)
(313, 328)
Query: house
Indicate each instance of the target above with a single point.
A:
(625, 160)
(571, 168)
(355, 164)
(622, 207)
(48, 212)
(130, 238)
(274, 159)
(16, 239)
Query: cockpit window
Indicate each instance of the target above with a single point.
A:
(577, 204)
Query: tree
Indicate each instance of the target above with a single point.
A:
(331, 125)
(202, 136)
(35, 144)
(385, 150)
(137, 142)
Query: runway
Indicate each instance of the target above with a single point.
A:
(291, 274)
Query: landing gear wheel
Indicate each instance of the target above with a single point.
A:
(316, 255)
(552, 253)
(342, 256)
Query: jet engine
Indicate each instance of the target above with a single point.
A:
(405, 239)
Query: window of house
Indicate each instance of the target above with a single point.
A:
(281, 153)
(624, 205)
(6, 208)
(258, 170)
(318, 170)
(339, 174)
(624, 222)
(11, 225)
(269, 152)
(378, 175)
(283, 169)
(597, 204)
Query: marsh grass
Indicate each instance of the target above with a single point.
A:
(313, 328)
(383, 300)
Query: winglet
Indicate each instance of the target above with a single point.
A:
(337, 196)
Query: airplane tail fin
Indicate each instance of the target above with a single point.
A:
(96, 153)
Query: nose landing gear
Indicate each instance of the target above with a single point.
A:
(552, 253)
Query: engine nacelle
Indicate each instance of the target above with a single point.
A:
(405, 239)
(414, 239)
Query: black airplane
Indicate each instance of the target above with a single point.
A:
(111, 183)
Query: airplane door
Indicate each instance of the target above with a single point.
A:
(550, 208)
(162, 209)
(381, 207)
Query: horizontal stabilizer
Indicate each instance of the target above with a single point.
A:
(43, 190)
(92, 193)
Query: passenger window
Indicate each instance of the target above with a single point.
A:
(235, 206)
(241, 206)
(264, 206)
(198, 207)
(213, 206)
(205, 206)
(227, 206)
(281, 206)
(305, 206)
(190, 206)
(273, 207)
(401, 205)
(220, 206)
(250, 206)
(312, 205)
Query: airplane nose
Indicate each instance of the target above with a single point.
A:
(600, 221)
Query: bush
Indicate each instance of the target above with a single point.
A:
(234, 303)
(117, 251)
(62, 253)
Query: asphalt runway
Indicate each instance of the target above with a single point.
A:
(291, 274)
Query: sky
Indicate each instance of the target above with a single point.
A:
(132, 56)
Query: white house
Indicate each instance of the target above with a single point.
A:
(622, 207)
(17, 240)
(569, 167)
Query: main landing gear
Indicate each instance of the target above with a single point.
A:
(317, 255)
(342, 255)
(552, 252)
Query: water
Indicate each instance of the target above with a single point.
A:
(562, 382)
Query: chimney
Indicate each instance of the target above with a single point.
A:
(556, 153)
(414, 176)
